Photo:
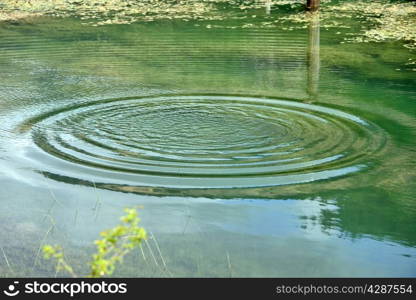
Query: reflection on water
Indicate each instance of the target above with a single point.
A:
(221, 135)
(313, 56)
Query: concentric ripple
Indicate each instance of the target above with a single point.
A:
(204, 141)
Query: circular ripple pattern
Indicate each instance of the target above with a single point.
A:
(205, 141)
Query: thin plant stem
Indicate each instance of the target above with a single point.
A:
(7, 261)
(43, 240)
(229, 264)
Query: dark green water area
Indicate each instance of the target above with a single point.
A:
(251, 150)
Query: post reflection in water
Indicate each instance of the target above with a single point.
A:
(313, 61)
(268, 5)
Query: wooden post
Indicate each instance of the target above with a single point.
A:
(312, 5)
(313, 61)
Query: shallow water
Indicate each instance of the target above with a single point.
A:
(248, 157)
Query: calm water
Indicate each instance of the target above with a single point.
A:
(252, 151)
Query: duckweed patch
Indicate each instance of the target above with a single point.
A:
(377, 21)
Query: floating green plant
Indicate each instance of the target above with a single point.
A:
(377, 20)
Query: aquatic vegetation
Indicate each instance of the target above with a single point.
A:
(16, 15)
(111, 249)
(378, 20)
(113, 11)
(388, 21)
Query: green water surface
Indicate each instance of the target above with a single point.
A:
(249, 156)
